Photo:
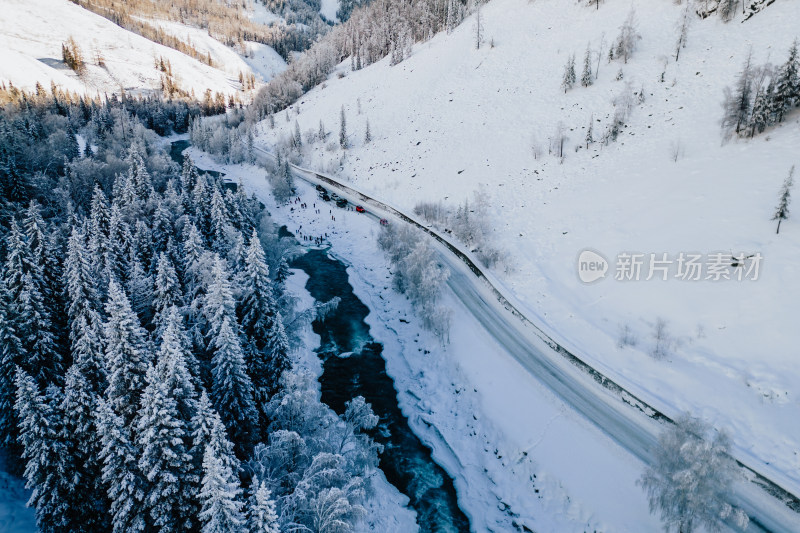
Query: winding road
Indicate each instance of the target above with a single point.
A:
(626, 419)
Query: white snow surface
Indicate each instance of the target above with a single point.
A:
(451, 120)
(32, 32)
(260, 59)
(516, 452)
(15, 517)
(328, 8)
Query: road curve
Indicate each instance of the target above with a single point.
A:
(625, 418)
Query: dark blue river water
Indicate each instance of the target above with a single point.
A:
(406, 461)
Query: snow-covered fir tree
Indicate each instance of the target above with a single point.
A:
(587, 77)
(231, 388)
(568, 79)
(267, 351)
(42, 450)
(261, 515)
(127, 355)
(161, 435)
(222, 510)
(782, 210)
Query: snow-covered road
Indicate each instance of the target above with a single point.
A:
(627, 420)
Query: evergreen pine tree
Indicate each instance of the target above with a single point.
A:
(38, 429)
(261, 515)
(98, 228)
(787, 85)
(342, 130)
(262, 323)
(165, 463)
(298, 138)
(219, 222)
(140, 289)
(587, 78)
(35, 331)
(568, 80)
(782, 211)
(11, 353)
(167, 291)
(218, 302)
(162, 228)
(761, 113)
(86, 333)
(83, 496)
(115, 260)
(177, 367)
(126, 355)
(221, 508)
(209, 431)
(231, 388)
(121, 475)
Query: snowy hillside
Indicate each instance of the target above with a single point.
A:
(453, 120)
(33, 31)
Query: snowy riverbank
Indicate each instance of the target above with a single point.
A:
(517, 454)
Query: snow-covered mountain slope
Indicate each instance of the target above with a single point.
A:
(33, 31)
(261, 60)
(451, 120)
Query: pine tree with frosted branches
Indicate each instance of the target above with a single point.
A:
(262, 323)
(587, 78)
(162, 228)
(127, 355)
(787, 84)
(85, 322)
(261, 515)
(11, 353)
(167, 290)
(209, 431)
(219, 222)
(84, 502)
(121, 474)
(569, 77)
(221, 507)
(34, 328)
(99, 218)
(342, 130)
(193, 250)
(219, 302)
(164, 461)
(782, 211)
(38, 434)
(176, 366)
(140, 289)
(115, 259)
(231, 388)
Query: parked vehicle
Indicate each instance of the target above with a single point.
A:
(341, 202)
(360, 209)
(325, 197)
(321, 189)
